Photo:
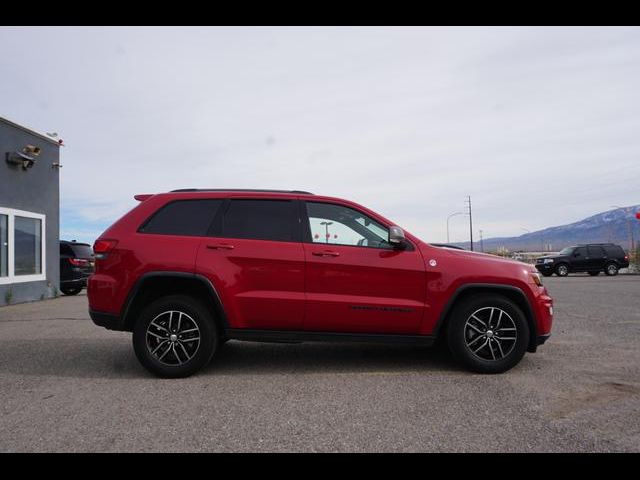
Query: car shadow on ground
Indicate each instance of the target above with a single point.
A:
(114, 358)
(257, 358)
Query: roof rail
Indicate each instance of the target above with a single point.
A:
(238, 190)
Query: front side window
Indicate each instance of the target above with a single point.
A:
(339, 225)
(580, 252)
(4, 245)
(274, 220)
(28, 246)
(183, 217)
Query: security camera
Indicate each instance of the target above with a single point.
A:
(22, 159)
(31, 150)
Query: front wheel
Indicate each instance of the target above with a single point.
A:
(611, 270)
(175, 336)
(562, 270)
(488, 334)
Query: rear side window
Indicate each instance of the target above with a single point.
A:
(261, 220)
(614, 251)
(596, 252)
(183, 217)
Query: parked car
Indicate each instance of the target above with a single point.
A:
(76, 265)
(592, 258)
(188, 270)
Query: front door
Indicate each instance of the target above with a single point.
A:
(356, 282)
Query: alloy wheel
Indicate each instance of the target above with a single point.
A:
(173, 338)
(490, 333)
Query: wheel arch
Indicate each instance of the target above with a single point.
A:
(514, 294)
(153, 285)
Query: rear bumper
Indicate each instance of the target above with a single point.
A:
(106, 320)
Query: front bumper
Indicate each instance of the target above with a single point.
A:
(544, 267)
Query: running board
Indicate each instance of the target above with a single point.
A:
(291, 336)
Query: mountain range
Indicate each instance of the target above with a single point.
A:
(616, 226)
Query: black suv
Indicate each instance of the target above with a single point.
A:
(592, 258)
(76, 264)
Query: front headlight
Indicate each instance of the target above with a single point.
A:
(537, 278)
(548, 260)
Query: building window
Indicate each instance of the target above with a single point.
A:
(4, 245)
(27, 235)
(22, 246)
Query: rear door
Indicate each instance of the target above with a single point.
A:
(356, 281)
(580, 259)
(255, 260)
(596, 258)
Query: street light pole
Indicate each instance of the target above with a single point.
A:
(326, 227)
(452, 215)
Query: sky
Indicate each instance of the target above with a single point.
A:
(541, 126)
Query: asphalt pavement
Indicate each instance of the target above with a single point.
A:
(67, 385)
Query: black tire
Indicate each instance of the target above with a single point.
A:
(611, 269)
(547, 274)
(71, 290)
(594, 273)
(562, 270)
(458, 334)
(176, 362)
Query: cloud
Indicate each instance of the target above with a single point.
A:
(539, 125)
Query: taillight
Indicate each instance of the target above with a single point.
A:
(101, 248)
(79, 262)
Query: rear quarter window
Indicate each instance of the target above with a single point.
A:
(183, 217)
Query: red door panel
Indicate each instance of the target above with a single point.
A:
(364, 290)
(260, 282)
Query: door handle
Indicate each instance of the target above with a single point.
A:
(326, 253)
(220, 246)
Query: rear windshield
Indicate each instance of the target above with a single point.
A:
(82, 251)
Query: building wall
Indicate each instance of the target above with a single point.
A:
(35, 190)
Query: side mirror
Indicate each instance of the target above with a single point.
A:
(396, 236)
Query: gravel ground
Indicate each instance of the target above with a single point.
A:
(66, 385)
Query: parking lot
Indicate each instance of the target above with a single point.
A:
(66, 385)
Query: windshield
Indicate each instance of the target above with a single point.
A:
(566, 251)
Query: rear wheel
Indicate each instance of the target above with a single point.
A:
(594, 273)
(71, 290)
(562, 270)
(175, 336)
(611, 269)
(488, 333)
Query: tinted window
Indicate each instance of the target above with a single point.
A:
(339, 225)
(614, 251)
(65, 249)
(260, 220)
(580, 252)
(596, 252)
(183, 217)
(82, 251)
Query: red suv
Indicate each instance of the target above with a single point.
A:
(189, 269)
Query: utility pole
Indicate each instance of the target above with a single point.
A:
(481, 244)
(470, 222)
